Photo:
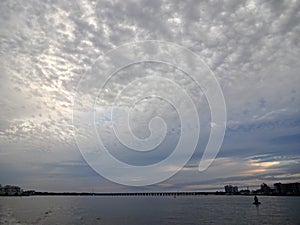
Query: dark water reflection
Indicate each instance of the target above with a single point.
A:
(149, 210)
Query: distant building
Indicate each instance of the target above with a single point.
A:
(290, 188)
(229, 189)
(10, 190)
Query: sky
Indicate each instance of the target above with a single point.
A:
(48, 47)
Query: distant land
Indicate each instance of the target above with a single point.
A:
(289, 189)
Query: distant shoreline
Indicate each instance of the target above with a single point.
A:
(38, 193)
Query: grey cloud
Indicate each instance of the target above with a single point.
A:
(252, 47)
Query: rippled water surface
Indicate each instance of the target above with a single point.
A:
(149, 210)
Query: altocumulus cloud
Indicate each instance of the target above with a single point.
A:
(252, 47)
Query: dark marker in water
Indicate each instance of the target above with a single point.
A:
(256, 202)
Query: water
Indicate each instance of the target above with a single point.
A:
(149, 210)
